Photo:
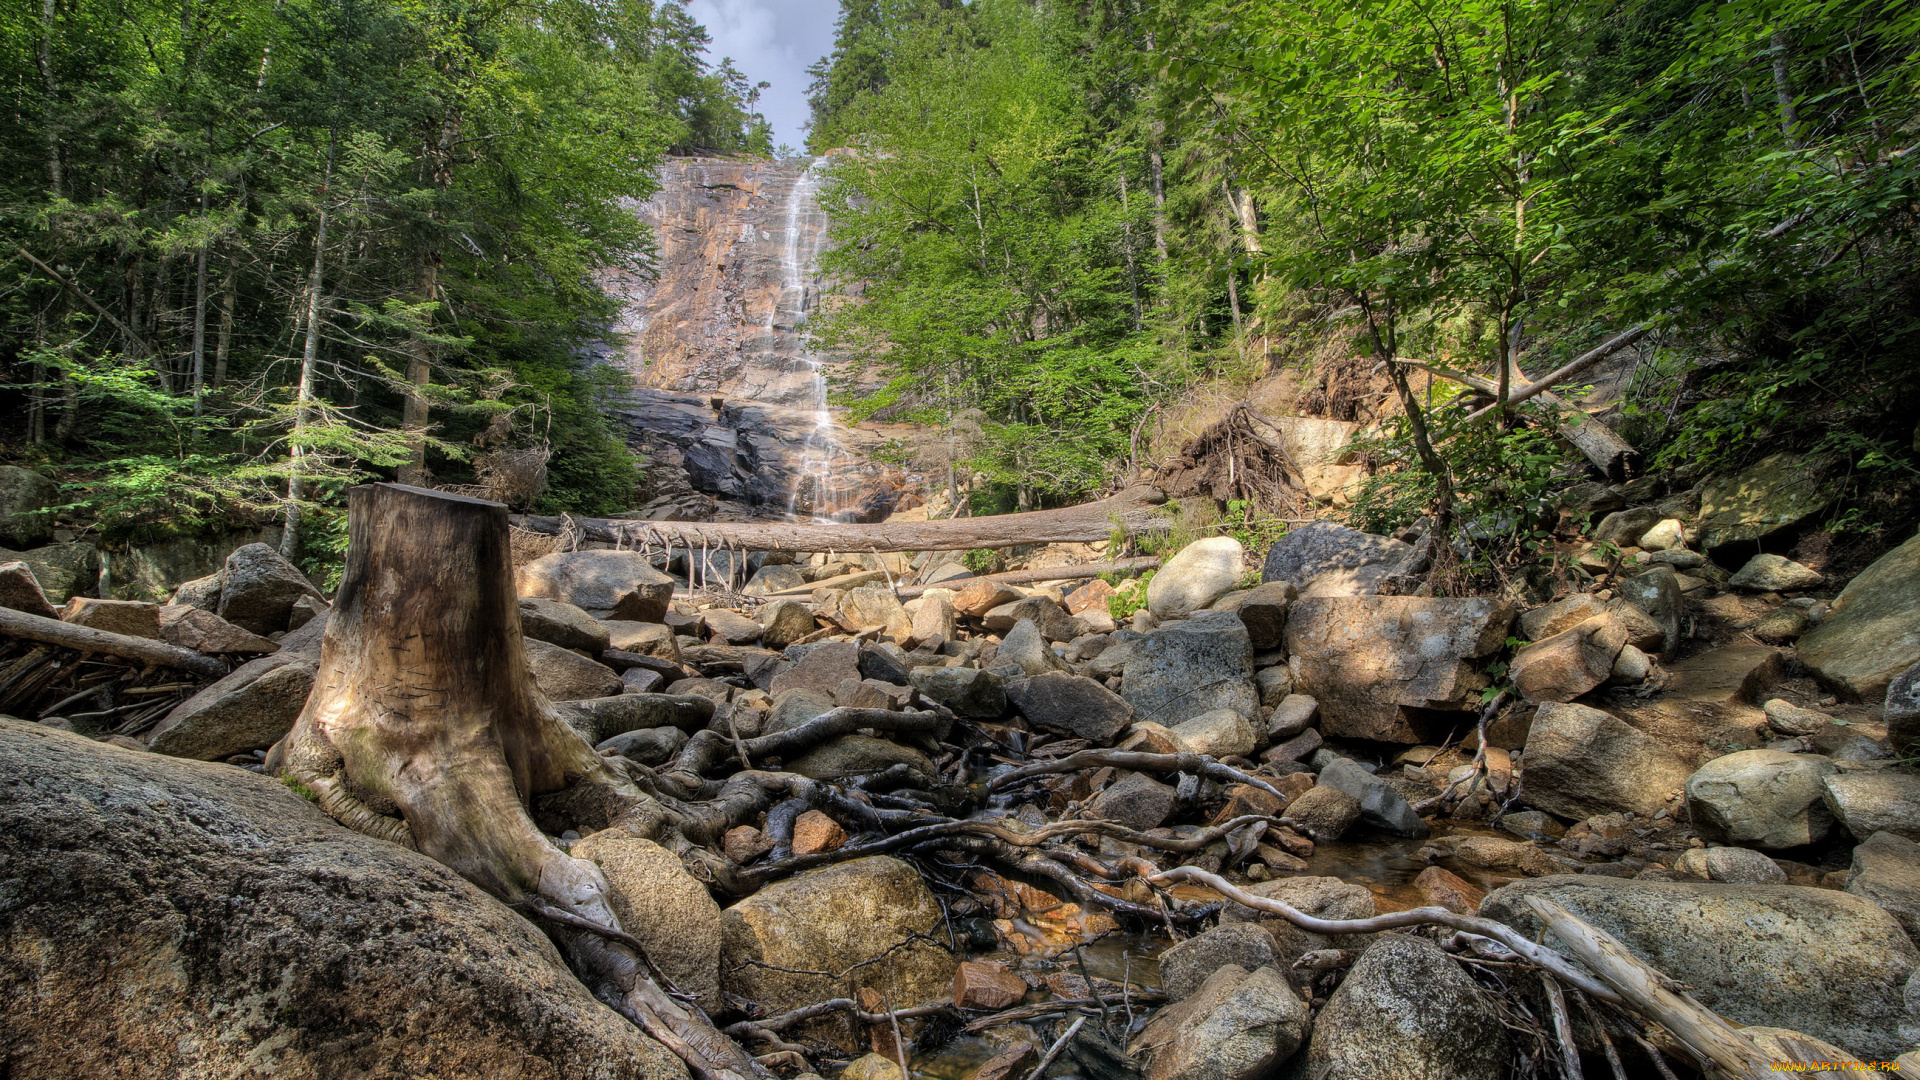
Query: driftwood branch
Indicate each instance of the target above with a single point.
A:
(1568, 370)
(1598, 443)
(1045, 573)
(1198, 764)
(19, 624)
(1132, 510)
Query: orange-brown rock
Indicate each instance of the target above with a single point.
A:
(815, 832)
(1008, 1064)
(984, 984)
(1448, 890)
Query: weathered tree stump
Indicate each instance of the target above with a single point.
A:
(425, 727)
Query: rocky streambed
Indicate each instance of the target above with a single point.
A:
(940, 830)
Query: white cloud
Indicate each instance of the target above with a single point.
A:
(775, 41)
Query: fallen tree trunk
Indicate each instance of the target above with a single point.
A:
(1614, 456)
(1131, 511)
(1045, 573)
(19, 624)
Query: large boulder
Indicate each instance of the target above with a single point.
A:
(967, 691)
(1368, 660)
(1875, 801)
(1191, 667)
(1324, 559)
(203, 631)
(557, 622)
(1886, 870)
(1774, 495)
(1264, 610)
(132, 618)
(1237, 1026)
(25, 496)
(658, 902)
(252, 708)
(1188, 964)
(1406, 1010)
(1581, 762)
(1381, 804)
(875, 605)
(1813, 960)
(784, 622)
(1320, 897)
(823, 666)
(1074, 704)
(609, 584)
(1541, 623)
(258, 589)
(250, 935)
(1026, 648)
(1199, 574)
(21, 591)
(564, 675)
(1569, 663)
(1873, 632)
(1774, 573)
(63, 570)
(1762, 798)
(828, 933)
(1656, 594)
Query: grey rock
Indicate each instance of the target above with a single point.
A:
(1136, 800)
(1902, 710)
(1071, 703)
(774, 579)
(203, 631)
(876, 605)
(1219, 734)
(784, 622)
(1025, 646)
(336, 940)
(1324, 559)
(1877, 801)
(25, 496)
(658, 902)
(1195, 577)
(202, 592)
(794, 707)
(967, 691)
(860, 755)
(258, 589)
(1407, 1010)
(1184, 669)
(639, 680)
(648, 746)
(1381, 805)
(1873, 634)
(1623, 528)
(1790, 719)
(823, 666)
(1236, 1026)
(1321, 897)
(1325, 812)
(1812, 960)
(1581, 762)
(1730, 865)
(732, 627)
(567, 676)
(252, 708)
(883, 660)
(622, 584)
(1762, 798)
(1678, 558)
(559, 623)
(1264, 610)
(1291, 716)
(1185, 966)
(1657, 594)
(305, 610)
(1273, 684)
(1538, 624)
(1886, 870)
(1774, 573)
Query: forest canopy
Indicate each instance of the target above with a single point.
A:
(253, 248)
(1061, 216)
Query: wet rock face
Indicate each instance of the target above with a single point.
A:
(725, 321)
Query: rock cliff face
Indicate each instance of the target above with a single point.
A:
(729, 403)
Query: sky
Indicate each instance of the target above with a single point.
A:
(772, 40)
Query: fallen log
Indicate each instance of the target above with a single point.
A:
(1045, 573)
(1131, 511)
(19, 624)
(1614, 456)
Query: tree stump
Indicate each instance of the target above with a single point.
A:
(425, 728)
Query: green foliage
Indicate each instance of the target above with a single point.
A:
(984, 561)
(1129, 597)
(167, 173)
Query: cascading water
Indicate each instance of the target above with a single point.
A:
(815, 485)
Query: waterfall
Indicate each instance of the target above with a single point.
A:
(814, 482)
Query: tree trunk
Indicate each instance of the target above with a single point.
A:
(424, 704)
(199, 327)
(1783, 91)
(413, 414)
(1132, 510)
(303, 395)
(223, 340)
